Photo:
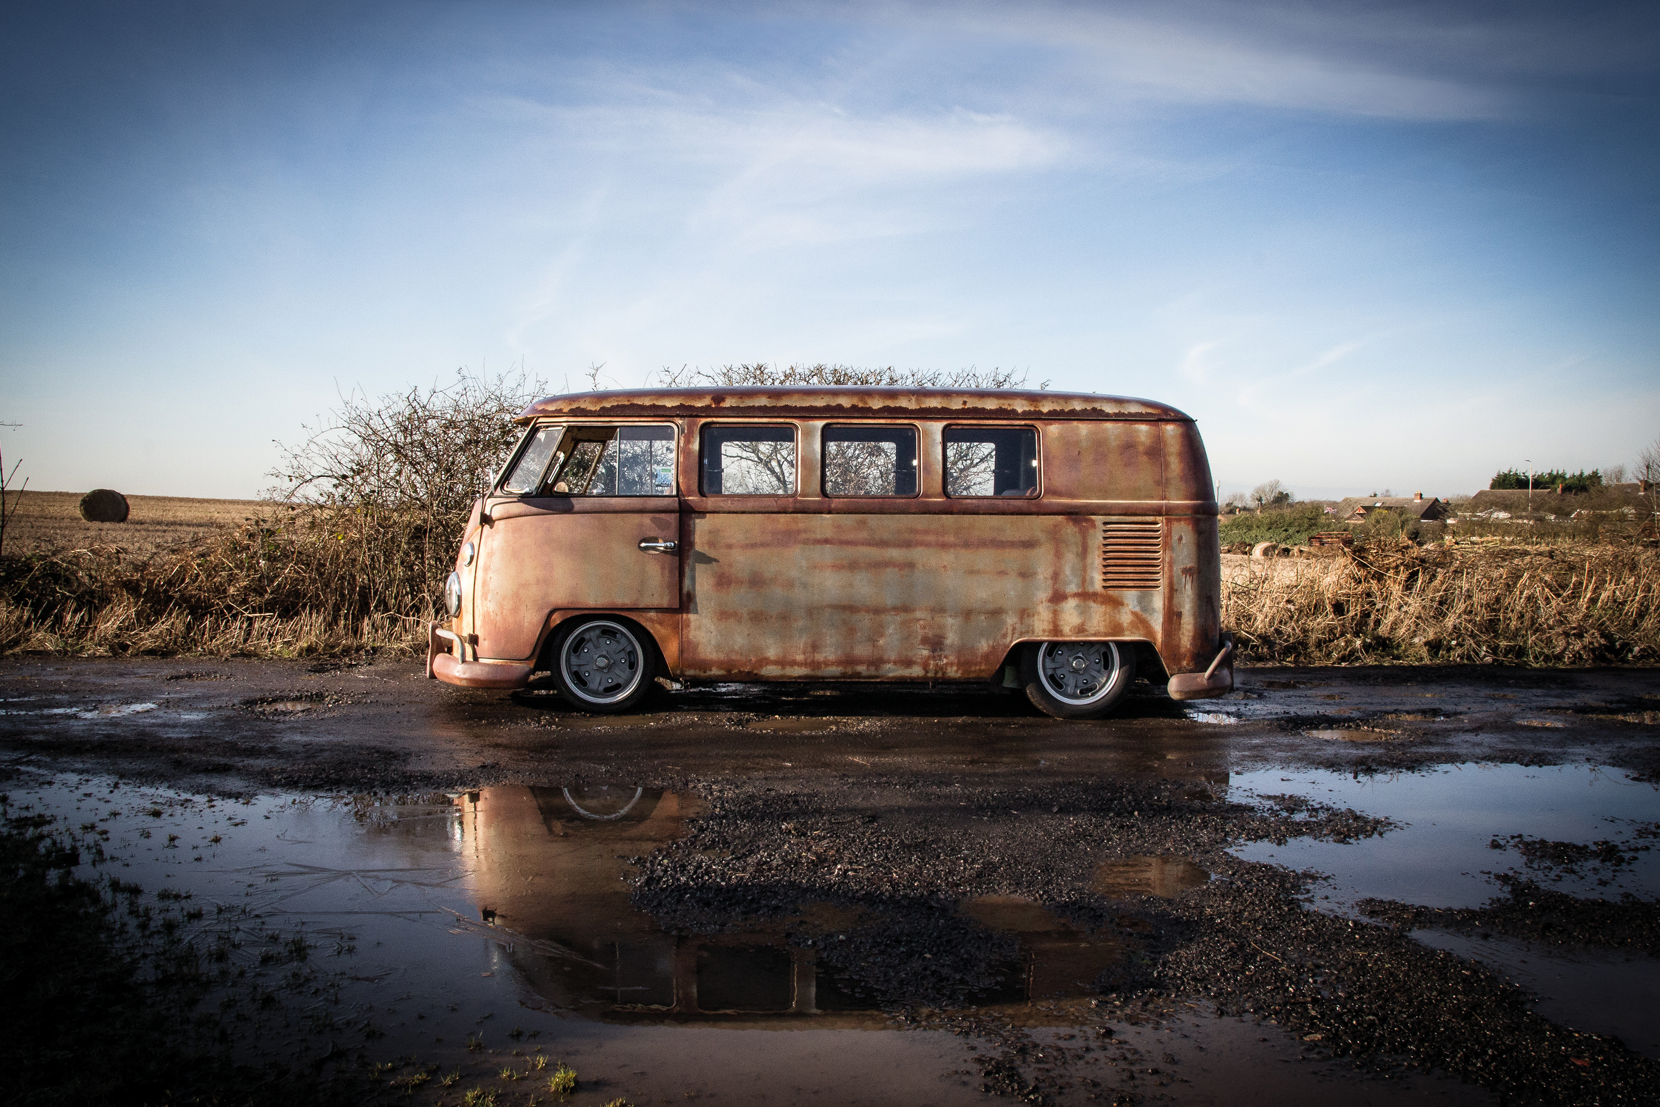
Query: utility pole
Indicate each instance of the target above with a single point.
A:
(1529, 461)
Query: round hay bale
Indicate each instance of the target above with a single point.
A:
(104, 505)
(1266, 549)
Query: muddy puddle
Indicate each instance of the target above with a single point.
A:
(1480, 843)
(1580, 829)
(475, 941)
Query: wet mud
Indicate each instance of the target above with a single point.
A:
(1384, 881)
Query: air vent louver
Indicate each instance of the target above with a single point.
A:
(1132, 553)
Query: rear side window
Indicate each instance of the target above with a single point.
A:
(617, 461)
(748, 461)
(991, 461)
(525, 478)
(870, 461)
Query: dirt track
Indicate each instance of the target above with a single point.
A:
(238, 725)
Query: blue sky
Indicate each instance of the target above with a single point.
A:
(1365, 245)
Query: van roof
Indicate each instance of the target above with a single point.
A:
(861, 401)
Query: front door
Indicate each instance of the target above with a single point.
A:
(596, 527)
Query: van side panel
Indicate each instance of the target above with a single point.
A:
(1105, 461)
(1186, 468)
(538, 555)
(1193, 602)
(791, 596)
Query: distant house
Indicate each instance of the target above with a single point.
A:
(1356, 508)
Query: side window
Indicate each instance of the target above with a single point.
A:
(748, 461)
(991, 461)
(525, 478)
(617, 461)
(642, 461)
(870, 461)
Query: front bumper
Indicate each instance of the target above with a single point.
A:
(444, 665)
(1214, 681)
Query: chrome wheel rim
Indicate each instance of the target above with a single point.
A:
(587, 814)
(601, 662)
(1077, 673)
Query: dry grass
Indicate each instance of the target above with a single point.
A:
(295, 581)
(333, 579)
(1540, 605)
(49, 522)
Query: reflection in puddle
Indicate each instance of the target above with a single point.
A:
(1055, 959)
(1443, 854)
(471, 928)
(1468, 833)
(807, 725)
(550, 868)
(1603, 992)
(1159, 876)
(1353, 734)
(451, 899)
(103, 711)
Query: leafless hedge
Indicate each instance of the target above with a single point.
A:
(763, 375)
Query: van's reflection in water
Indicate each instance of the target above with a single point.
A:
(550, 867)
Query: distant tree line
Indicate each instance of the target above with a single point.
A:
(1547, 479)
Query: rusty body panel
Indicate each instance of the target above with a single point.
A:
(568, 553)
(1114, 538)
(939, 597)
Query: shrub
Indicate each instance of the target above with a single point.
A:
(395, 478)
(1289, 526)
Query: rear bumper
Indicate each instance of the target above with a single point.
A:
(442, 664)
(1214, 681)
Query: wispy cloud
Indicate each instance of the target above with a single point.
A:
(1435, 62)
(793, 173)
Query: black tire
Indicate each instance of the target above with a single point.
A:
(603, 665)
(1077, 680)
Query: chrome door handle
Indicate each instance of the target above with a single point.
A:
(658, 545)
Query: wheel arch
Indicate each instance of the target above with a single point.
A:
(560, 621)
(1145, 653)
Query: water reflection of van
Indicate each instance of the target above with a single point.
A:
(548, 864)
(1047, 541)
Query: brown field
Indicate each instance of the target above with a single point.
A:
(1544, 604)
(50, 522)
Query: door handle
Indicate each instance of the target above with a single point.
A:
(658, 545)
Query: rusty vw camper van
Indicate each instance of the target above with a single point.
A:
(1052, 542)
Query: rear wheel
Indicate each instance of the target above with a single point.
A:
(602, 665)
(1076, 680)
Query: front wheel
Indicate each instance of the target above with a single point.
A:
(602, 665)
(1076, 680)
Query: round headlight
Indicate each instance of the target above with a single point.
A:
(452, 594)
(468, 552)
